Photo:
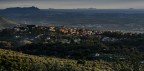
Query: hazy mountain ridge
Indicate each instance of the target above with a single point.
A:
(21, 9)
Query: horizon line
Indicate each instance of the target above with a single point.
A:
(92, 8)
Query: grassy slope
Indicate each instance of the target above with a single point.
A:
(11, 60)
(17, 61)
(6, 23)
(1, 26)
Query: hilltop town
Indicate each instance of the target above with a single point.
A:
(46, 34)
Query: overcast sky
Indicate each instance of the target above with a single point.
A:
(64, 4)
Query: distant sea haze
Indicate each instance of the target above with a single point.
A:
(100, 19)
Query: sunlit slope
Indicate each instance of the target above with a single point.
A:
(17, 61)
(6, 23)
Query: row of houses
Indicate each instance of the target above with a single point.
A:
(34, 33)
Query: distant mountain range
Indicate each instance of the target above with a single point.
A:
(22, 9)
(6, 23)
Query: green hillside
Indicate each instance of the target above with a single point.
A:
(6, 23)
(17, 61)
(1, 27)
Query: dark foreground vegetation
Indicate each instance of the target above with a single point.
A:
(41, 48)
(17, 61)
